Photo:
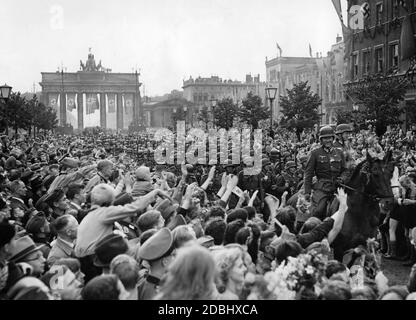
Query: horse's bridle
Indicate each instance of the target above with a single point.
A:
(372, 196)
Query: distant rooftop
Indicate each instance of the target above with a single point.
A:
(217, 80)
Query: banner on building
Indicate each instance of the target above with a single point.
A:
(70, 102)
(128, 104)
(54, 102)
(92, 103)
(111, 103)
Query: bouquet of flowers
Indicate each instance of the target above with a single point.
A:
(306, 271)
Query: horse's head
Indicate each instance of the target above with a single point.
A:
(368, 186)
(379, 176)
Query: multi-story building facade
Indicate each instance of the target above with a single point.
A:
(324, 75)
(376, 49)
(203, 90)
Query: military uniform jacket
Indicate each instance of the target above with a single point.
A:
(148, 287)
(291, 180)
(325, 165)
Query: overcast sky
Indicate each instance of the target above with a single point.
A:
(169, 40)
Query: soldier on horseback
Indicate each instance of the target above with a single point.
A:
(328, 165)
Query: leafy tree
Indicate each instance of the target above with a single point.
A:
(45, 118)
(379, 95)
(204, 115)
(224, 113)
(179, 115)
(300, 108)
(348, 116)
(253, 111)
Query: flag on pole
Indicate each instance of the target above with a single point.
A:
(407, 40)
(365, 9)
(310, 51)
(278, 48)
(338, 9)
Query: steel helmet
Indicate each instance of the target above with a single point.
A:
(343, 127)
(326, 131)
(290, 164)
(274, 153)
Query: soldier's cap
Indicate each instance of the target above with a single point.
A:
(148, 220)
(176, 221)
(265, 161)
(157, 246)
(108, 248)
(166, 208)
(35, 167)
(54, 166)
(290, 164)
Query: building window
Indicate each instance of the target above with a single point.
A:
(395, 9)
(195, 98)
(379, 59)
(355, 65)
(394, 56)
(379, 13)
(366, 62)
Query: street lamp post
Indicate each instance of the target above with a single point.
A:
(213, 105)
(271, 95)
(5, 92)
(4, 96)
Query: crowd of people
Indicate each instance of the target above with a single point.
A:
(94, 217)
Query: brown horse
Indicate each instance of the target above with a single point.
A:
(368, 186)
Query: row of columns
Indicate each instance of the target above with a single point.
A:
(102, 104)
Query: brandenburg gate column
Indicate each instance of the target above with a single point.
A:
(120, 123)
(103, 111)
(80, 102)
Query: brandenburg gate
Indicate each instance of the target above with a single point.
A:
(93, 96)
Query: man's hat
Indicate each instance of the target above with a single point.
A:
(54, 166)
(205, 241)
(70, 163)
(47, 181)
(166, 208)
(26, 175)
(23, 247)
(10, 163)
(176, 221)
(108, 248)
(157, 245)
(290, 164)
(7, 232)
(54, 196)
(38, 224)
